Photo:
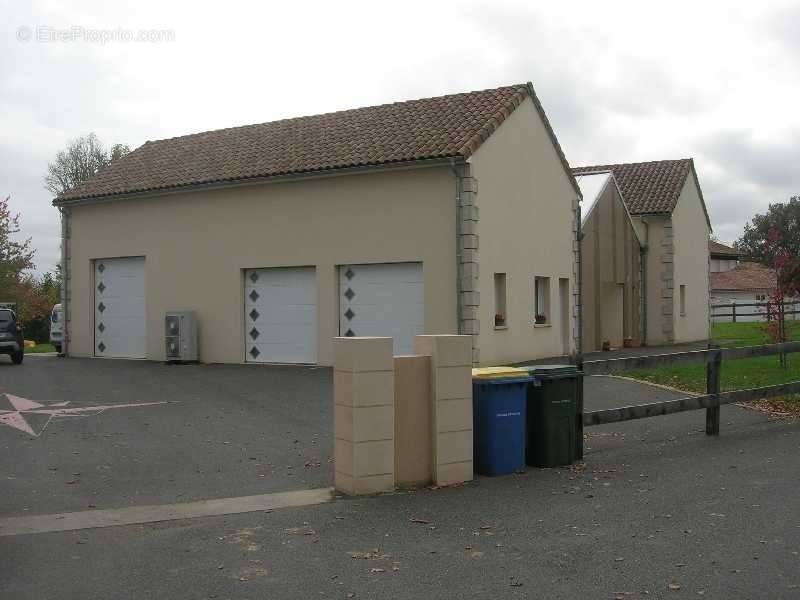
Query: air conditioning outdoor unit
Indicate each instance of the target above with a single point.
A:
(181, 336)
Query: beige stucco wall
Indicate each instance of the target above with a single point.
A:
(197, 244)
(525, 230)
(611, 274)
(691, 233)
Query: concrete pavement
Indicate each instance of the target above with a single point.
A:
(658, 511)
(223, 430)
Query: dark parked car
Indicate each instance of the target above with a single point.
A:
(12, 340)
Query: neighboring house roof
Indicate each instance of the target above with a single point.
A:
(746, 276)
(446, 127)
(650, 187)
(717, 250)
(592, 187)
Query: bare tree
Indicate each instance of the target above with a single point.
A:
(80, 160)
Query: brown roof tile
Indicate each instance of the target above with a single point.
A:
(648, 187)
(746, 276)
(431, 128)
(721, 250)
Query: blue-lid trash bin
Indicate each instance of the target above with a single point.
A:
(499, 420)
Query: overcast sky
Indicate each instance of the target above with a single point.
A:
(620, 81)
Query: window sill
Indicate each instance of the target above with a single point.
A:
(500, 327)
(541, 325)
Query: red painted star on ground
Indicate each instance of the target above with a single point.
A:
(22, 406)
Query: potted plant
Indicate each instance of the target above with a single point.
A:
(499, 320)
(540, 319)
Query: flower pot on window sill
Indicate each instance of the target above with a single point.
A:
(540, 320)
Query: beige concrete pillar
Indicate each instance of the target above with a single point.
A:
(412, 421)
(363, 391)
(451, 406)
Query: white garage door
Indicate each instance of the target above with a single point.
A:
(280, 315)
(119, 308)
(382, 300)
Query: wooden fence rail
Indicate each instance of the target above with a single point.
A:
(769, 310)
(712, 358)
(668, 407)
(611, 366)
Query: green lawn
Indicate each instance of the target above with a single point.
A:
(40, 348)
(736, 374)
(735, 335)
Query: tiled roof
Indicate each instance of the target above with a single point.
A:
(746, 276)
(716, 249)
(432, 128)
(648, 187)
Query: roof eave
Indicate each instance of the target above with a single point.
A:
(248, 181)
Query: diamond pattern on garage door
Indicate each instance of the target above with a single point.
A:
(119, 308)
(382, 300)
(280, 315)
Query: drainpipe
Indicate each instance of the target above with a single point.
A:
(579, 283)
(643, 291)
(466, 240)
(457, 173)
(65, 280)
(643, 275)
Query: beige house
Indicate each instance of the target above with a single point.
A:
(611, 266)
(722, 258)
(670, 217)
(284, 235)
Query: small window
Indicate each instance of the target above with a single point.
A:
(541, 300)
(683, 300)
(500, 316)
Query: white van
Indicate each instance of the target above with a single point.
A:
(57, 327)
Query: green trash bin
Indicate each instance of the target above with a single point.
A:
(551, 409)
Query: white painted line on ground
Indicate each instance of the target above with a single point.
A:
(135, 515)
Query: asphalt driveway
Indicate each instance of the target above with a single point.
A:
(658, 510)
(191, 432)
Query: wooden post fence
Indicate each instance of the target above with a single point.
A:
(713, 373)
(712, 358)
(579, 410)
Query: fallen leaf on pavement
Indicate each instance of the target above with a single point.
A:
(374, 554)
(674, 587)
